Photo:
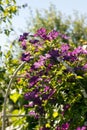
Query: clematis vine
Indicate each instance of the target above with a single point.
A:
(56, 78)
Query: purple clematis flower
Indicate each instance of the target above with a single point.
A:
(25, 34)
(52, 35)
(69, 57)
(23, 37)
(41, 61)
(23, 44)
(34, 41)
(54, 53)
(31, 104)
(79, 50)
(47, 56)
(33, 81)
(38, 64)
(64, 36)
(41, 33)
(82, 128)
(32, 95)
(25, 56)
(65, 126)
(45, 96)
(66, 107)
(33, 113)
(85, 67)
(58, 128)
(64, 48)
(46, 88)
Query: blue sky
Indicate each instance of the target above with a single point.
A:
(65, 6)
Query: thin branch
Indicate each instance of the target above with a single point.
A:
(14, 115)
(7, 93)
(19, 76)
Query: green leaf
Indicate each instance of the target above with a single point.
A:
(7, 1)
(14, 97)
(79, 77)
(15, 112)
(7, 32)
(1, 8)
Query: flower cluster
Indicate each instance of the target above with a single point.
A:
(51, 85)
(23, 37)
(82, 128)
(64, 126)
(25, 56)
(42, 33)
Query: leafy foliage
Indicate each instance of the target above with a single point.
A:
(51, 87)
(8, 8)
(54, 93)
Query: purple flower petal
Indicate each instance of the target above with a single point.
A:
(34, 41)
(82, 128)
(25, 34)
(64, 48)
(38, 64)
(66, 107)
(64, 36)
(23, 44)
(54, 53)
(78, 128)
(23, 37)
(52, 35)
(31, 104)
(85, 67)
(41, 33)
(65, 126)
(25, 56)
(58, 128)
(33, 113)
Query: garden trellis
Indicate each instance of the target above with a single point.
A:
(4, 115)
